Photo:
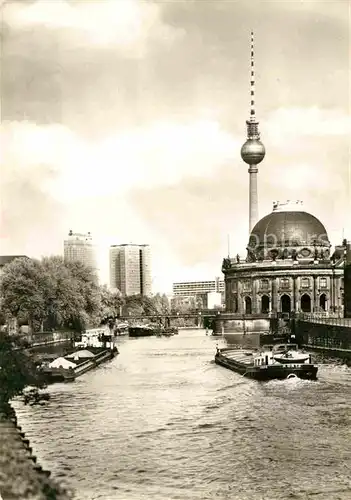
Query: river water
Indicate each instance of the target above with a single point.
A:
(161, 421)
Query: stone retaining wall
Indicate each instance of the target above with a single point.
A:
(333, 340)
(21, 477)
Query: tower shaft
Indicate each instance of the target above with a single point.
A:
(253, 197)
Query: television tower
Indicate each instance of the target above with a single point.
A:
(253, 151)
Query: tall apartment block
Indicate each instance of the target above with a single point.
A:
(187, 288)
(201, 294)
(130, 269)
(80, 247)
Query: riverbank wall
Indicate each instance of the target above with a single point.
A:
(329, 337)
(233, 323)
(21, 477)
(48, 338)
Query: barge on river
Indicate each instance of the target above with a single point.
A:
(71, 366)
(152, 330)
(142, 331)
(271, 362)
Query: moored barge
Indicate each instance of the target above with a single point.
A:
(71, 366)
(142, 331)
(281, 361)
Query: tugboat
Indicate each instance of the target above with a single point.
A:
(142, 331)
(280, 361)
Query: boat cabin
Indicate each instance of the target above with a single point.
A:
(282, 354)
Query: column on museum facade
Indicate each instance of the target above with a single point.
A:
(228, 295)
(315, 304)
(295, 307)
(338, 293)
(274, 294)
(240, 299)
(234, 296)
(331, 293)
(255, 308)
(270, 295)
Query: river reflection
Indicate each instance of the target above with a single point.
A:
(162, 421)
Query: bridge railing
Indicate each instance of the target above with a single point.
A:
(324, 318)
(188, 314)
(247, 316)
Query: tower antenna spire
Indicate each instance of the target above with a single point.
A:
(252, 81)
(253, 150)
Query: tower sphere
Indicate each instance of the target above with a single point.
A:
(253, 151)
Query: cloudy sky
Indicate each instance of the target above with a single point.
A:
(125, 118)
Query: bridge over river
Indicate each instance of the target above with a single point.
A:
(202, 318)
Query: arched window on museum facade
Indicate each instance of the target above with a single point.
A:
(265, 304)
(323, 302)
(285, 303)
(306, 303)
(248, 305)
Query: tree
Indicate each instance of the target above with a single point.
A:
(61, 294)
(165, 304)
(160, 303)
(87, 285)
(134, 305)
(22, 290)
(17, 371)
(51, 292)
(141, 305)
(110, 303)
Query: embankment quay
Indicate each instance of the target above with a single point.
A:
(36, 340)
(331, 335)
(21, 477)
(163, 421)
(328, 333)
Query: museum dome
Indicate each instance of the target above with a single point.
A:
(288, 231)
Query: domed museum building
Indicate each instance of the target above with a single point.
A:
(289, 266)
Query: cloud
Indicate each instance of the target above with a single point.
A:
(289, 124)
(30, 217)
(161, 154)
(48, 168)
(124, 23)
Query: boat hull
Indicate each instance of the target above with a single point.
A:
(53, 375)
(140, 332)
(264, 373)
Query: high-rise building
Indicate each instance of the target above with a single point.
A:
(199, 294)
(130, 269)
(79, 247)
(187, 288)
